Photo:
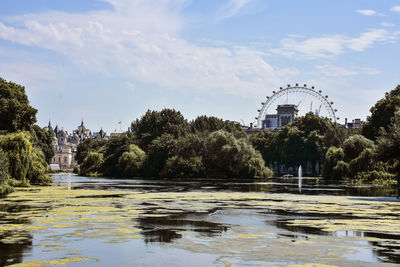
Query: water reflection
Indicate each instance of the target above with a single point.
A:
(13, 253)
(310, 186)
(167, 228)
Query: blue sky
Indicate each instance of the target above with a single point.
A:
(110, 60)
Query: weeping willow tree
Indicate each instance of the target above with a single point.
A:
(26, 163)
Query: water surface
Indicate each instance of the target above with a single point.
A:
(195, 222)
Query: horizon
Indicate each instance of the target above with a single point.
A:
(108, 61)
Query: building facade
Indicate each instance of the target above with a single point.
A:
(65, 144)
(285, 114)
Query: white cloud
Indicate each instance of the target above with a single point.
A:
(387, 24)
(328, 46)
(232, 8)
(339, 71)
(396, 9)
(367, 12)
(130, 85)
(139, 41)
(335, 71)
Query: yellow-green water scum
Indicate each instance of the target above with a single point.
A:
(112, 217)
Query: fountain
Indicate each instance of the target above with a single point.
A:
(300, 175)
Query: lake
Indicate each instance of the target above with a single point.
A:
(83, 221)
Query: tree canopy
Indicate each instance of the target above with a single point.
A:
(381, 114)
(15, 112)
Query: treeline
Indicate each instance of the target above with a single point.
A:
(164, 144)
(367, 155)
(25, 148)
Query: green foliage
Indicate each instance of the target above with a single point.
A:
(335, 156)
(87, 146)
(266, 143)
(5, 189)
(131, 162)
(179, 167)
(15, 112)
(3, 167)
(354, 145)
(388, 144)
(304, 141)
(113, 150)
(205, 124)
(26, 163)
(156, 123)
(381, 114)
(37, 171)
(19, 152)
(44, 140)
(227, 156)
(356, 162)
(92, 164)
(159, 151)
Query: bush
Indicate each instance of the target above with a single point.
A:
(5, 189)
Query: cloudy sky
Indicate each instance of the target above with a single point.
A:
(110, 60)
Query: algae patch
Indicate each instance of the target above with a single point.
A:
(48, 263)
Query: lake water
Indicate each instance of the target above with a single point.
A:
(83, 221)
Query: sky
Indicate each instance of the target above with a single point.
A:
(109, 61)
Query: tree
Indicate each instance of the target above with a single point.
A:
(156, 123)
(227, 156)
(37, 171)
(354, 145)
(131, 162)
(15, 112)
(87, 146)
(206, 124)
(113, 150)
(179, 167)
(44, 140)
(334, 157)
(92, 164)
(303, 142)
(159, 150)
(19, 152)
(265, 142)
(4, 175)
(381, 114)
(26, 162)
(388, 144)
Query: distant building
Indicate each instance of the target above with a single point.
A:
(285, 114)
(355, 124)
(65, 144)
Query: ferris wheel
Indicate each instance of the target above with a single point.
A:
(303, 97)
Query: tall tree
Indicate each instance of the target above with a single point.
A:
(44, 140)
(156, 123)
(381, 114)
(15, 112)
(388, 144)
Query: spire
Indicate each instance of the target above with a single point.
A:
(82, 122)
